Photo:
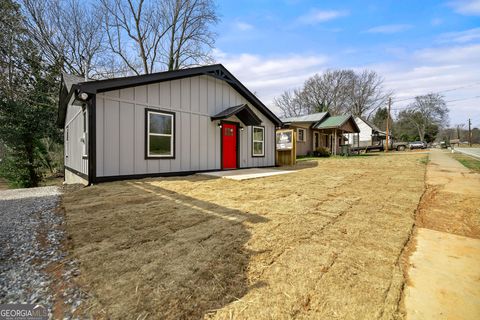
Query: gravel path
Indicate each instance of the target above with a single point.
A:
(33, 265)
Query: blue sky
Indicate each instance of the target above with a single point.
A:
(416, 46)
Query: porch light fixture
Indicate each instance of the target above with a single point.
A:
(241, 128)
(219, 124)
(83, 96)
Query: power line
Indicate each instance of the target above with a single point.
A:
(448, 101)
(462, 99)
(442, 91)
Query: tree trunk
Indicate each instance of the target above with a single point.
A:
(32, 174)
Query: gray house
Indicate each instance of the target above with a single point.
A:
(168, 123)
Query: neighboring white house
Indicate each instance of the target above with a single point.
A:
(167, 123)
(369, 134)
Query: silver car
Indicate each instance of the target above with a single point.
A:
(417, 145)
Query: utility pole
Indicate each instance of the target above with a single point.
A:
(470, 132)
(388, 121)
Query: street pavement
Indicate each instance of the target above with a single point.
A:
(474, 152)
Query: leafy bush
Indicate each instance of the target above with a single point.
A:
(322, 152)
(16, 172)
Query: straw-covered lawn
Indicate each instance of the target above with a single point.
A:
(321, 243)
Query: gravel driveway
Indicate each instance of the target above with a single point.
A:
(32, 261)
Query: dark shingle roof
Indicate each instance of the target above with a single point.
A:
(243, 112)
(217, 70)
(70, 80)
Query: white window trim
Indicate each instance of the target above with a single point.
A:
(304, 134)
(262, 141)
(172, 144)
(315, 133)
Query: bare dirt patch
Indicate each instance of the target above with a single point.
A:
(451, 198)
(441, 259)
(323, 242)
(3, 184)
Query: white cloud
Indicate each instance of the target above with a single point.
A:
(390, 28)
(317, 16)
(461, 36)
(410, 74)
(434, 70)
(270, 76)
(466, 7)
(243, 26)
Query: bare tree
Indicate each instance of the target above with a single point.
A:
(327, 92)
(134, 30)
(338, 92)
(366, 93)
(190, 39)
(148, 36)
(290, 102)
(68, 32)
(138, 36)
(428, 110)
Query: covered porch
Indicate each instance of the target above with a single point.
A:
(330, 133)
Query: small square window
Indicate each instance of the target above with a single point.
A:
(228, 132)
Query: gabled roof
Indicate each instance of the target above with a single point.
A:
(243, 112)
(217, 70)
(314, 117)
(336, 122)
(371, 125)
(70, 80)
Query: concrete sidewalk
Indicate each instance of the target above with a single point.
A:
(444, 274)
(244, 174)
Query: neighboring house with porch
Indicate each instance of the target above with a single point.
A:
(320, 130)
(160, 124)
(369, 134)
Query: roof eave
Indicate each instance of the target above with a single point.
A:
(217, 70)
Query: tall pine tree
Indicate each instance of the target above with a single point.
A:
(27, 102)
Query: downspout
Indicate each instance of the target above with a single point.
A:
(92, 139)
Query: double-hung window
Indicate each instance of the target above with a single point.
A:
(301, 134)
(160, 134)
(258, 141)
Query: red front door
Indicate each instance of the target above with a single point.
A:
(229, 146)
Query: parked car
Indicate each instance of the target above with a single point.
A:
(417, 145)
(380, 146)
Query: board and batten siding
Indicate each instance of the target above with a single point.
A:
(120, 127)
(74, 146)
